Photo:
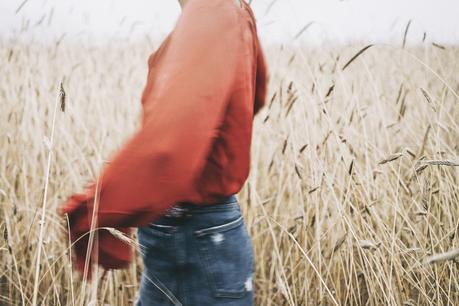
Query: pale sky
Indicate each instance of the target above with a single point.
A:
(334, 20)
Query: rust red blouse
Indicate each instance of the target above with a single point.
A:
(205, 83)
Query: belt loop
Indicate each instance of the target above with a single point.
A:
(178, 212)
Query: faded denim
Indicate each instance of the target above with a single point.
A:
(206, 260)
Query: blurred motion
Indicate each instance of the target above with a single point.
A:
(352, 193)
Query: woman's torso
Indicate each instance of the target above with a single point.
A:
(228, 163)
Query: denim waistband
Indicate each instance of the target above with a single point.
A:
(227, 203)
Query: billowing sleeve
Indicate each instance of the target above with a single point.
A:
(156, 167)
(261, 80)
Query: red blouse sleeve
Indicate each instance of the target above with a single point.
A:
(181, 116)
(261, 80)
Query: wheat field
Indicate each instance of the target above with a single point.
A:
(352, 197)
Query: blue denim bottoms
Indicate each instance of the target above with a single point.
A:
(202, 259)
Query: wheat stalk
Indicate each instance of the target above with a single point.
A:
(50, 145)
(436, 258)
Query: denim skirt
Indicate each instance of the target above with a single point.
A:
(205, 259)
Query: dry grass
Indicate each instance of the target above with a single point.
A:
(352, 198)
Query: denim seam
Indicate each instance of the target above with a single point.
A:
(220, 207)
(157, 232)
(219, 228)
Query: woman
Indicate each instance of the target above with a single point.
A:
(177, 177)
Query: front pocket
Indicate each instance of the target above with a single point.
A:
(161, 230)
(155, 244)
(227, 257)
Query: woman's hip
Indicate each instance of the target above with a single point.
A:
(208, 254)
